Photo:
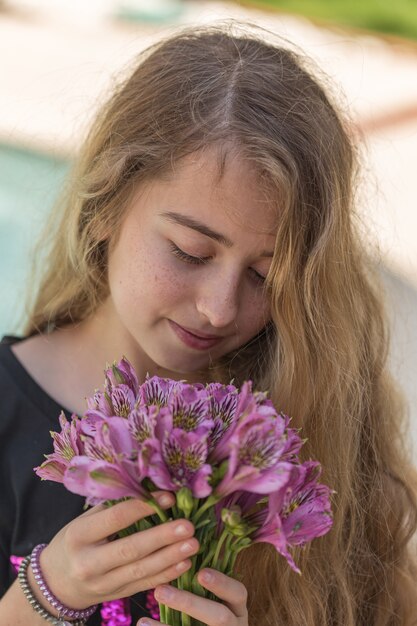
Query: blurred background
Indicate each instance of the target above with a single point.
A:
(59, 58)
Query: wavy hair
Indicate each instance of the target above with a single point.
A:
(323, 355)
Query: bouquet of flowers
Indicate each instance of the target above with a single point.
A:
(228, 456)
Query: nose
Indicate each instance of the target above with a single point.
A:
(218, 300)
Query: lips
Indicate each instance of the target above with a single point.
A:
(191, 339)
(199, 334)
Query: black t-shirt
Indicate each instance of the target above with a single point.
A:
(32, 510)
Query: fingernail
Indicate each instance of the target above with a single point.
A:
(181, 566)
(207, 576)
(166, 500)
(186, 547)
(165, 592)
(144, 622)
(181, 529)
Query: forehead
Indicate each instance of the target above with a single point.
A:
(225, 190)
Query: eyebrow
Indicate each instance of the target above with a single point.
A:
(191, 222)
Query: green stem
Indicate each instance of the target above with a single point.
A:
(211, 501)
(195, 506)
(185, 583)
(208, 558)
(153, 503)
(185, 619)
(176, 615)
(223, 536)
(233, 560)
(226, 554)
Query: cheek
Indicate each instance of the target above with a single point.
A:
(141, 275)
(255, 314)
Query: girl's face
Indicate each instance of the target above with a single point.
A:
(189, 262)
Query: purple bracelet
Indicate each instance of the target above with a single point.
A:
(63, 611)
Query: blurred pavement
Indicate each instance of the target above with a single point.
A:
(58, 59)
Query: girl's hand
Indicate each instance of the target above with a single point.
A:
(82, 567)
(232, 613)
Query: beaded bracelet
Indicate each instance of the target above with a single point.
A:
(63, 611)
(24, 583)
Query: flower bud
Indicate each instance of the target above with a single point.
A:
(231, 517)
(185, 501)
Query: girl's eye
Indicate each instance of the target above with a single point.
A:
(196, 260)
(258, 278)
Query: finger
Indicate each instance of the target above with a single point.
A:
(102, 507)
(93, 510)
(135, 547)
(147, 621)
(172, 559)
(105, 522)
(207, 611)
(231, 591)
(136, 585)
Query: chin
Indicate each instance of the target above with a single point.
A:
(180, 367)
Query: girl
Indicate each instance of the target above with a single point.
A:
(208, 232)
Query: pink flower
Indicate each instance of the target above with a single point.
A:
(156, 391)
(67, 445)
(297, 513)
(103, 480)
(223, 402)
(255, 456)
(117, 401)
(179, 461)
(122, 374)
(230, 458)
(247, 403)
(189, 406)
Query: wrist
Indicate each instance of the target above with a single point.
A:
(63, 610)
(51, 578)
(38, 594)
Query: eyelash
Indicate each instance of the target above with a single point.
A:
(195, 260)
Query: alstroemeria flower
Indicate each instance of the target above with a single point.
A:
(255, 450)
(181, 462)
(189, 406)
(121, 373)
(142, 422)
(101, 480)
(297, 513)
(304, 505)
(113, 440)
(120, 392)
(247, 403)
(156, 391)
(229, 457)
(67, 444)
(223, 402)
(116, 402)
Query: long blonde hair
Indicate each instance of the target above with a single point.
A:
(323, 356)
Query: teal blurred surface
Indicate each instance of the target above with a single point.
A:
(29, 183)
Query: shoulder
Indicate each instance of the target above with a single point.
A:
(31, 352)
(7, 366)
(24, 402)
(20, 360)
